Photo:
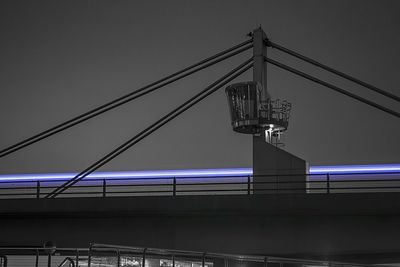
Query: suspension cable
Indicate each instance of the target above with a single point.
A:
(155, 126)
(131, 96)
(339, 73)
(333, 87)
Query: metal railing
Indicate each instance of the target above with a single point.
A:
(327, 183)
(42, 256)
(172, 258)
(102, 255)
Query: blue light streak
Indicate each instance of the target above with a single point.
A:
(193, 173)
(209, 173)
(376, 168)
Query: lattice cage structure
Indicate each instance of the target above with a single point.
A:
(250, 114)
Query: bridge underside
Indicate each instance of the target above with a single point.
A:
(345, 227)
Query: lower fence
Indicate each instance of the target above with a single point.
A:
(101, 255)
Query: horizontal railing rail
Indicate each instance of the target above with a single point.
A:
(321, 183)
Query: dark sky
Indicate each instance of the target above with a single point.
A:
(61, 58)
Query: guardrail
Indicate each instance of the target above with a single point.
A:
(42, 256)
(120, 255)
(102, 255)
(176, 186)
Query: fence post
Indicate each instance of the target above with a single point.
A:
(203, 260)
(118, 258)
(77, 258)
(248, 185)
(174, 187)
(37, 258)
(37, 189)
(328, 185)
(104, 187)
(144, 257)
(90, 255)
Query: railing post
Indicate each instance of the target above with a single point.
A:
(266, 262)
(49, 260)
(37, 258)
(144, 257)
(118, 258)
(203, 260)
(77, 258)
(104, 187)
(173, 260)
(174, 187)
(328, 185)
(248, 185)
(37, 189)
(90, 255)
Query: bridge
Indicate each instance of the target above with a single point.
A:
(279, 213)
(359, 227)
(331, 220)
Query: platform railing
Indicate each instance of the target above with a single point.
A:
(173, 258)
(326, 183)
(104, 255)
(41, 256)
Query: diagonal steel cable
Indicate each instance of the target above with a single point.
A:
(130, 96)
(334, 71)
(333, 87)
(155, 126)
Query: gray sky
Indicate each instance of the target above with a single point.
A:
(61, 58)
